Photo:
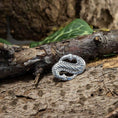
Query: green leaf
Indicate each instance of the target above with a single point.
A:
(4, 41)
(78, 27)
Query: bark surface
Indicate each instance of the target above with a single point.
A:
(92, 94)
(99, 13)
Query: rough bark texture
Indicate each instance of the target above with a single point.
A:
(100, 13)
(92, 94)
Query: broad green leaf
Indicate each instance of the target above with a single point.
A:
(78, 27)
(4, 41)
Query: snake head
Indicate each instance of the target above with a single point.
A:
(69, 57)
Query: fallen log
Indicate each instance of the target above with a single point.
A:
(15, 60)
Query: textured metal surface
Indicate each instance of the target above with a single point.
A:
(73, 68)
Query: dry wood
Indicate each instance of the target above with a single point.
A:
(18, 60)
(113, 114)
(93, 94)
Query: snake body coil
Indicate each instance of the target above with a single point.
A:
(69, 67)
